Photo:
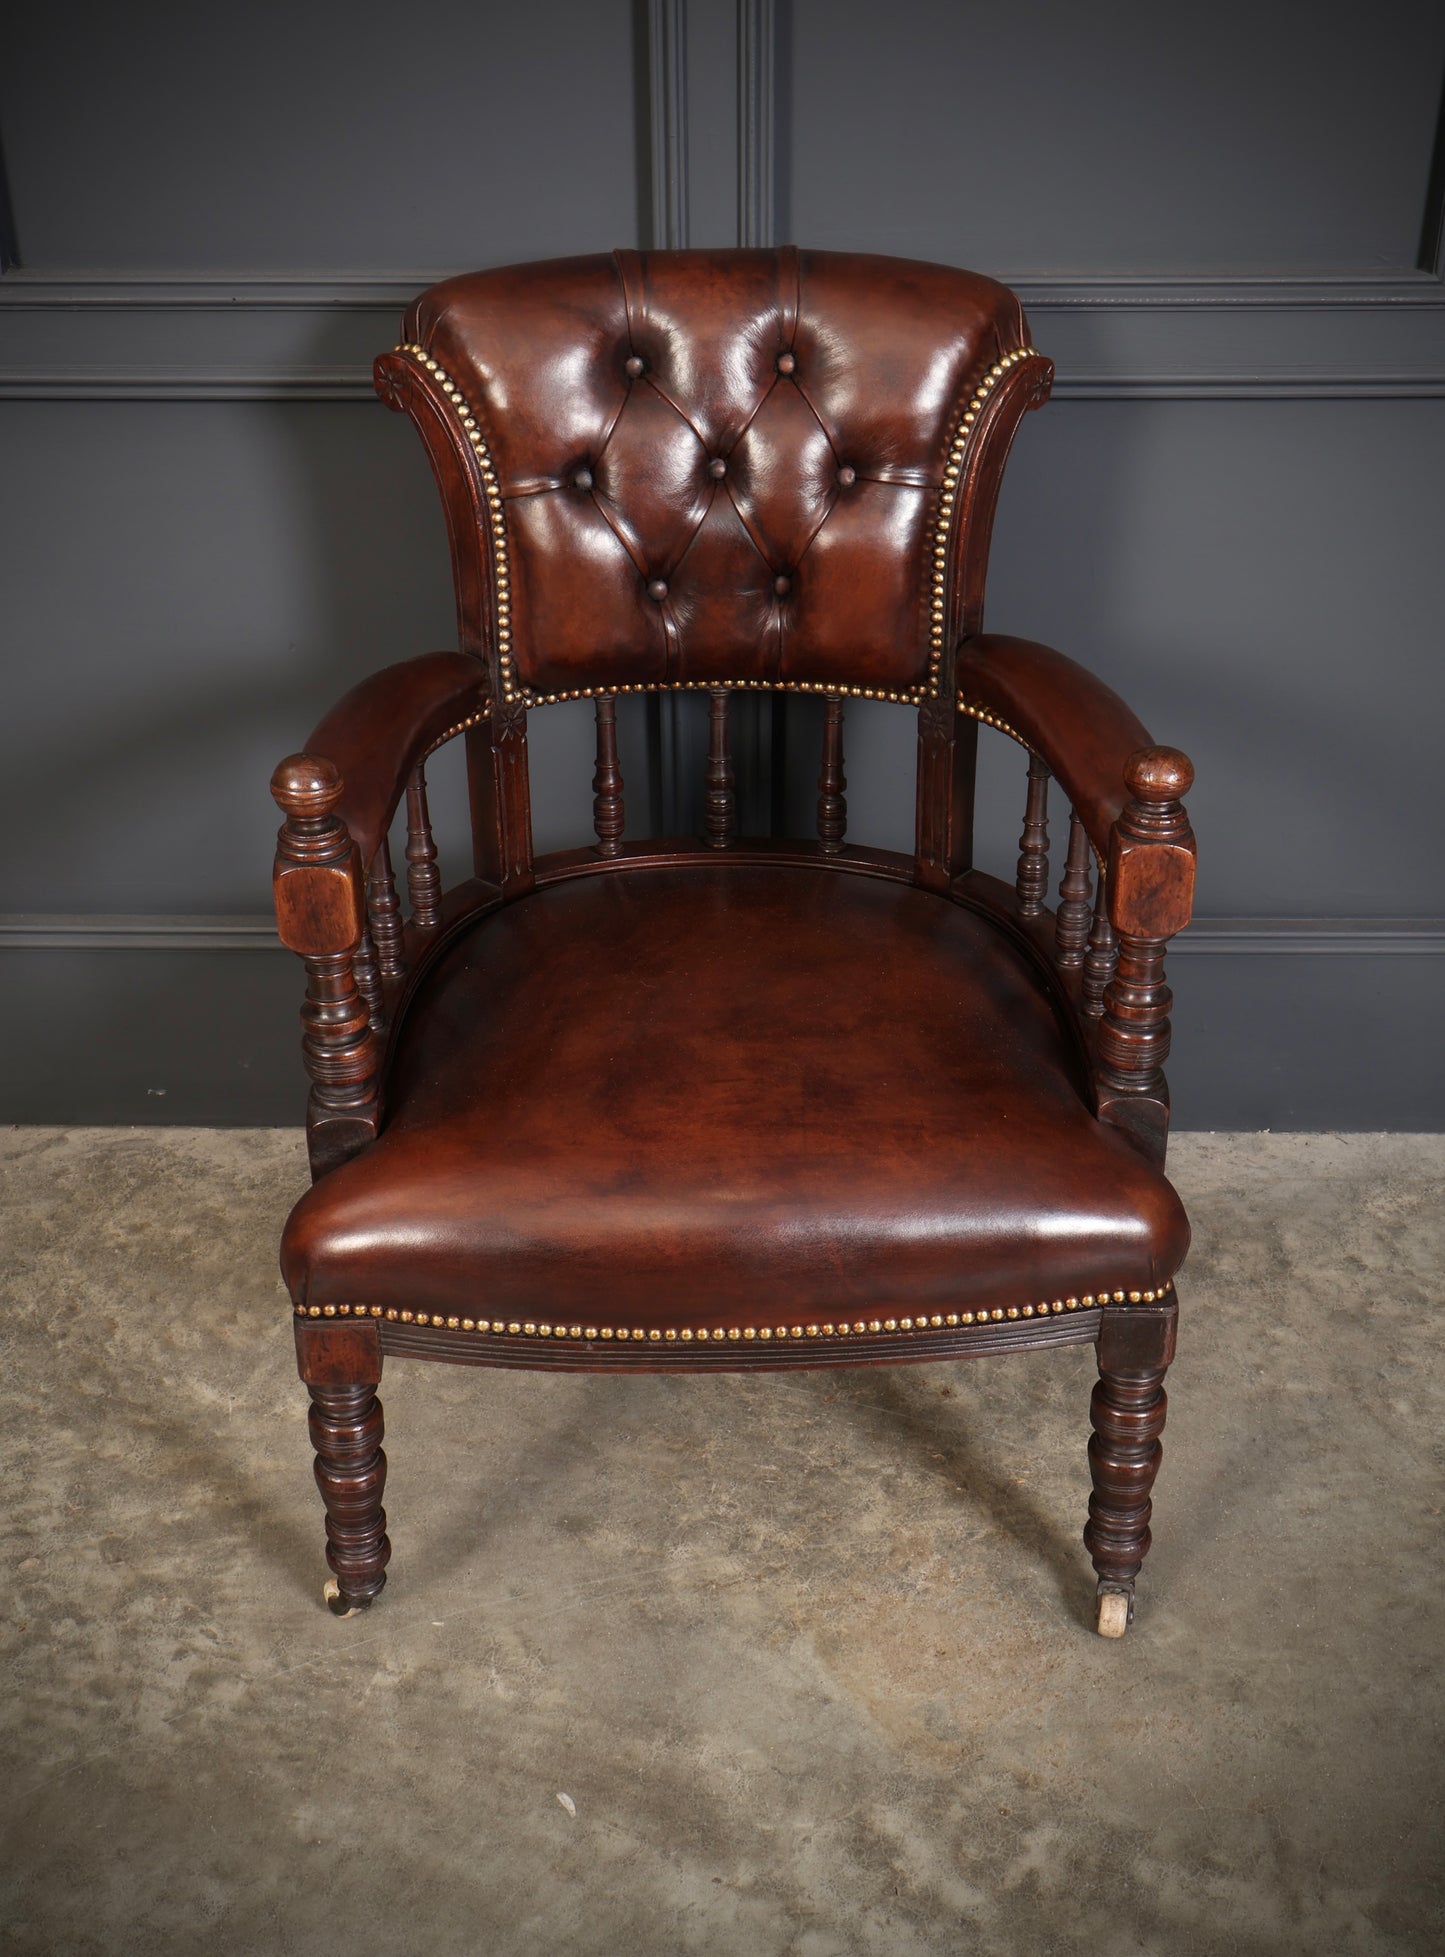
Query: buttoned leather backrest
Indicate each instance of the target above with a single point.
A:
(713, 465)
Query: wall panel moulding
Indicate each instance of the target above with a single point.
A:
(314, 340)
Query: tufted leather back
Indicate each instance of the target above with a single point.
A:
(702, 466)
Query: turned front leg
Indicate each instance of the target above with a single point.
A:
(340, 1362)
(1136, 1345)
(346, 1431)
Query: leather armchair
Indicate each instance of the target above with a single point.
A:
(691, 1103)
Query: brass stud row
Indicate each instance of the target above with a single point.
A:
(991, 720)
(530, 700)
(736, 1335)
(484, 712)
(952, 475)
(901, 697)
(491, 490)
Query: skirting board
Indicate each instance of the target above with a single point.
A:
(1273, 1027)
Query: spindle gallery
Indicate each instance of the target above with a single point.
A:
(689, 1103)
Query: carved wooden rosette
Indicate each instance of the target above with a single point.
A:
(319, 915)
(1151, 895)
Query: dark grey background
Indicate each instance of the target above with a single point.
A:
(1224, 221)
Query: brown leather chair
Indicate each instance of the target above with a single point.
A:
(719, 1103)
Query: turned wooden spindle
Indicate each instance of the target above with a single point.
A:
(832, 803)
(317, 886)
(384, 914)
(367, 973)
(1102, 955)
(1151, 886)
(1032, 880)
(607, 813)
(1071, 927)
(719, 802)
(346, 1432)
(423, 879)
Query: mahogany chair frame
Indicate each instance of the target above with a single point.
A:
(1126, 889)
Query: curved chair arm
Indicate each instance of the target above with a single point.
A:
(1080, 727)
(1126, 792)
(1124, 789)
(378, 732)
(338, 798)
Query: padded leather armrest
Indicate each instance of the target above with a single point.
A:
(376, 735)
(1081, 727)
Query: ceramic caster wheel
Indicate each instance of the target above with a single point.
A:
(1114, 1613)
(331, 1591)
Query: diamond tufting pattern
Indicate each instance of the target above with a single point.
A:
(719, 465)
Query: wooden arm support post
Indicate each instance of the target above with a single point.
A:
(1150, 894)
(320, 915)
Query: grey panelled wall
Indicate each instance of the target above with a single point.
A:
(1225, 221)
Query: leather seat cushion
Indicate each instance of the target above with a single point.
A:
(722, 1094)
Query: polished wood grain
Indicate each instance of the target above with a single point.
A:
(720, 802)
(384, 914)
(1101, 956)
(319, 914)
(423, 879)
(1127, 1412)
(1151, 891)
(609, 819)
(946, 771)
(1032, 876)
(832, 803)
(346, 1434)
(1075, 913)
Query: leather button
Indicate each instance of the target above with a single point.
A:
(633, 366)
(717, 468)
(782, 585)
(847, 476)
(657, 591)
(582, 479)
(787, 363)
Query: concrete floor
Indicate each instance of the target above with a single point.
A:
(808, 1656)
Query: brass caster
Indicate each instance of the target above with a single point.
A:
(331, 1591)
(1116, 1613)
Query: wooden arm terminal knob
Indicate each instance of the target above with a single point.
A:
(306, 786)
(1158, 774)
